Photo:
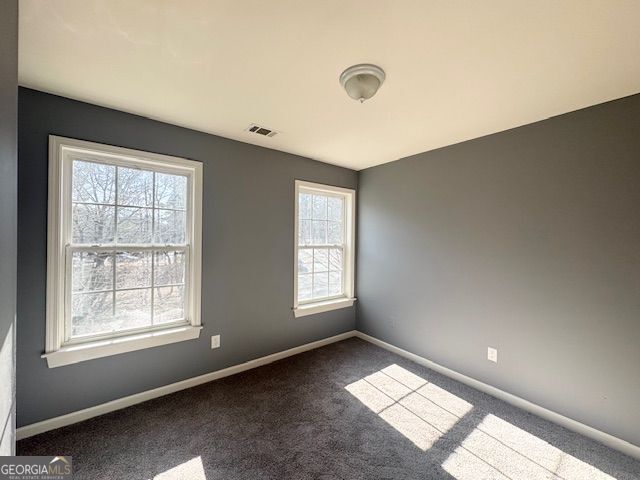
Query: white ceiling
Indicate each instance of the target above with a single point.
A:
(456, 70)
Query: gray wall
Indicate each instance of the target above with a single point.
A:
(247, 284)
(8, 202)
(528, 241)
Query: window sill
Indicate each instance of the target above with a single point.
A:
(88, 351)
(319, 307)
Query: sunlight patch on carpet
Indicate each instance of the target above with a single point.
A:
(513, 453)
(190, 470)
(419, 410)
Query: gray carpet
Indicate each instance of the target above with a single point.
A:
(349, 410)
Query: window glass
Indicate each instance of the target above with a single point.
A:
(135, 276)
(321, 243)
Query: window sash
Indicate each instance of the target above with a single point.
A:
(342, 293)
(129, 163)
(114, 249)
(115, 246)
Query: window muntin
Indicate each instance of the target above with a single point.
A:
(324, 243)
(320, 246)
(124, 248)
(128, 248)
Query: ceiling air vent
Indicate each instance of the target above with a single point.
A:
(258, 130)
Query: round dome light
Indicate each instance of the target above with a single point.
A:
(362, 81)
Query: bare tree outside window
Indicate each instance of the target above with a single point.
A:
(321, 241)
(128, 250)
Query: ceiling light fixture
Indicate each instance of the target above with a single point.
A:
(362, 81)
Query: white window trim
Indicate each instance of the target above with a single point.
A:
(57, 353)
(346, 300)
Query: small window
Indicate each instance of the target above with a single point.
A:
(124, 249)
(324, 256)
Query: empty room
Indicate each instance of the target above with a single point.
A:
(387, 239)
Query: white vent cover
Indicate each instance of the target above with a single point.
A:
(259, 130)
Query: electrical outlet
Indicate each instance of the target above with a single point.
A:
(492, 354)
(215, 341)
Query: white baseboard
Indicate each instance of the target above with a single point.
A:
(80, 415)
(570, 424)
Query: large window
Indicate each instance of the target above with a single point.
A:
(324, 248)
(124, 250)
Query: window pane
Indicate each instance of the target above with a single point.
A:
(320, 260)
(93, 224)
(319, 232)
(304, 206)
(334, 233)
(134, 225)
(93, 182)
(305, 261)
(335, 259)
(171, 191)
(304, 232)
(133, 269)
(91, 313)
(170, 227)
(92, 271)
(304, 287)
(135, 187)
(133, 309)
(168, 304)
(114, 200)
(320, 285)
(335, 209)
(319, 207)
(169, 268)
(335, 283)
